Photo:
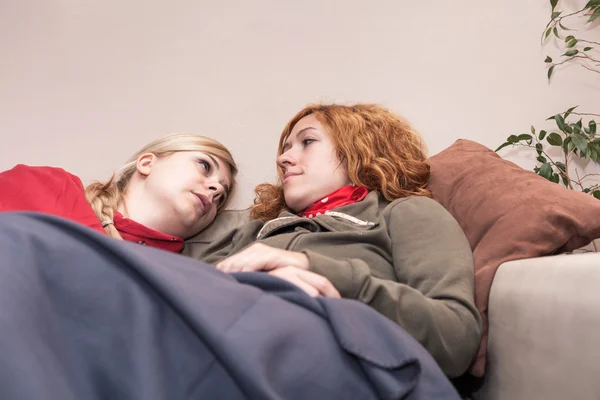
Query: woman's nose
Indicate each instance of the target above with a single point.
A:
(214, 188)
(285, 159)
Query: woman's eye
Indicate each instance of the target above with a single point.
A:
(205, 165)
(306, 142)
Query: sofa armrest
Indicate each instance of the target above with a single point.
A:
(544, 336)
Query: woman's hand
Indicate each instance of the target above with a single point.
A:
(260, 257)
(314, 285)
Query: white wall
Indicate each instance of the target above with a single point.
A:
(84, 83)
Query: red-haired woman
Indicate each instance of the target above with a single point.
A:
(351, 217)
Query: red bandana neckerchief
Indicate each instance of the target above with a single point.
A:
(341, 197)
(135, 232)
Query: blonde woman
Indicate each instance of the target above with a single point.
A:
(169, 190)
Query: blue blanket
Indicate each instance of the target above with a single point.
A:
(84, 316)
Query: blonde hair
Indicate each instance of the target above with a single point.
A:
(104, 197)
(377, 148)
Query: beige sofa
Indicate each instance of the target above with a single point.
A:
(544, 337)
(544, 314)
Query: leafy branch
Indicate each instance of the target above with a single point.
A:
(574, 139)
(575, 49)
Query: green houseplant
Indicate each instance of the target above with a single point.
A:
(573, 137)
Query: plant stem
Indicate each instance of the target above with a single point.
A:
(579, 180)
(591, 69)
(592, 114)
(563, 174)
(558, 20)
(590, 58)
(586, 175)
(566, 173)
(584, 56)
(594, 188)
(587, 41)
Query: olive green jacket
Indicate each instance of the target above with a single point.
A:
(408, 259)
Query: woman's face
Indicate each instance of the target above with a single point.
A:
(312, 169)
(186, 188)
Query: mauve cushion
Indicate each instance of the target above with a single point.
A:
(507, 213)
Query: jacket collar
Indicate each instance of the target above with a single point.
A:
(363, 215)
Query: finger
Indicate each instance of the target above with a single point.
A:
(229, 264)
(239, 262)
(322, 284)
(220, 265)
(295, 280)
(247, 260)
(224, 265)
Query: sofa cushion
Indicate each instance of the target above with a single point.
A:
(544, 323)
(507, 213)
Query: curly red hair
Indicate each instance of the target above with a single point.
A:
(377, 148)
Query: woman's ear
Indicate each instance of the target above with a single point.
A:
(145, 162)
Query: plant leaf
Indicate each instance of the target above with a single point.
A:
(555, 30)
(539, 148)
(592, 3)
(542, 134)
(561, 166)
(555, 14)
(525, 136)
(553, 4)
(532, 129)
(596, 194)
(594, 151)
(571, 53)
(569, 111)
(566, 144)
(512, 139)
(592, 127)
(560, 122)
(548, 33)
(546, 171)
(594, 16)
(564, 28)
(568, 38)
(548, 59)
(587, 48)
(550, 71)
(577, 126)
(596, 155)
(541, 159)
(571, 43)
(554, 139)
(503, 145)
(579, 141)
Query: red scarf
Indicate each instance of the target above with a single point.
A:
(136, 232)
(341, 197)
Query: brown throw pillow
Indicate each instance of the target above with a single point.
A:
(507, 213)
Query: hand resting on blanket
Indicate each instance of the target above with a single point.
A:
(288, 265)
